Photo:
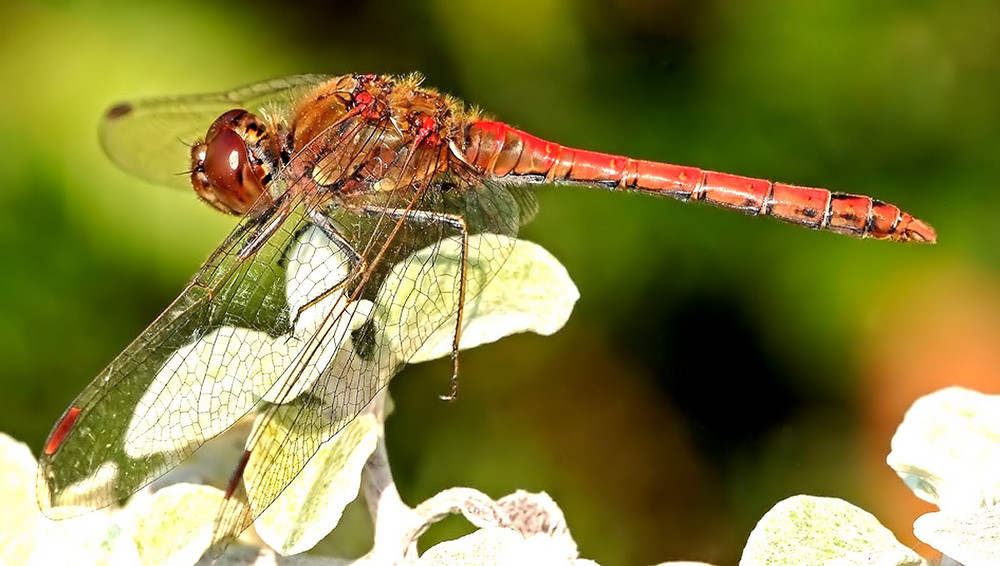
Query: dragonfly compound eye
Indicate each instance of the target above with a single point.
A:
(225, 171)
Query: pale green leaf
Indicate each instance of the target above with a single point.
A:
(304, 359)
(316, 266)
(947, 449)
(191, 397)
(496, 547)
(89, 539)
(28, 537)
(823, 530)
(17, 491)
(972, 538)
(312, 504)
(531, 291)
(174, 525)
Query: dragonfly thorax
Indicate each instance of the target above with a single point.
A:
(231, 168)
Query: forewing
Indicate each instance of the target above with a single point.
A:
(217, 351)
(152, 138)
(414, 264)
(196, 370)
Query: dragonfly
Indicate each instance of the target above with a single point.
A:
(381, 168)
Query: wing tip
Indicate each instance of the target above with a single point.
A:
(119, 111)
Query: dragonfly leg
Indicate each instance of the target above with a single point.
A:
(358, 266)
(266, 225)
(458, 223)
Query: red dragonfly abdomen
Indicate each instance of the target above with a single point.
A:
(502, 151)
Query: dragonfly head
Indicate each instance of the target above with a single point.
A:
(230, 169)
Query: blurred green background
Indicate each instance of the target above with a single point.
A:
(715, 363)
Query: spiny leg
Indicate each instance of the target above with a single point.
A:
(458, 223)
(265, 225)
(358, 265)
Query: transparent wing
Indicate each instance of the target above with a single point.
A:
(304, 313)
(152, 138)
(190, 375)
(411, 242)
